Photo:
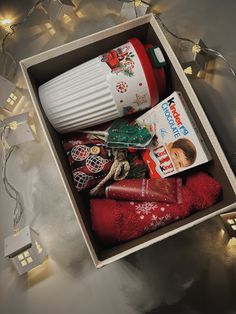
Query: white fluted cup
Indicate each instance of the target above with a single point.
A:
(114, 84)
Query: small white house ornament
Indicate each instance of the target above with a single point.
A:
(10, 97)
(59, 10)
(229, 228)
(25, 250)
(131, 10)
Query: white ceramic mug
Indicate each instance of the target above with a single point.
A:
(117, 83)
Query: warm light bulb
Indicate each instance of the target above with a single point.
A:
(6, 22)
(137, 3)
(222, 232)
(196, 49)
(13, 125)
(188, 70)
(39, 248)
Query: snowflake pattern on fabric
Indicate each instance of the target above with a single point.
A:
(157, 222)
(145, 208)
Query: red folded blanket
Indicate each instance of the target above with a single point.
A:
(118, 221)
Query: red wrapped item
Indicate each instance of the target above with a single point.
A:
(151, 190)
(118, 221)
(90, 161)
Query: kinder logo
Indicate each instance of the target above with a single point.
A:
(175, 114)
(166, 165)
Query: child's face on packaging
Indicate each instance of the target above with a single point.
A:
(178, 157)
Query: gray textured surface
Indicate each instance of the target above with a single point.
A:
(190, 273)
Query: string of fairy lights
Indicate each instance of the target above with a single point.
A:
(8, 150)
(10, 189)
(12, 192)
(196, 47)
(12, 28)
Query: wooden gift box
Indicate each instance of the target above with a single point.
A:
(42, 67)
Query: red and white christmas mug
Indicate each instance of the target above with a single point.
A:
(112, 85)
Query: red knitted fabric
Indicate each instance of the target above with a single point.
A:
(117, 221)
(205, 188)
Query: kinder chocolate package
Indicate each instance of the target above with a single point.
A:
(177, 144)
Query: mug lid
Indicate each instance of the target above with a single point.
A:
(158, 63)
(147, 68)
